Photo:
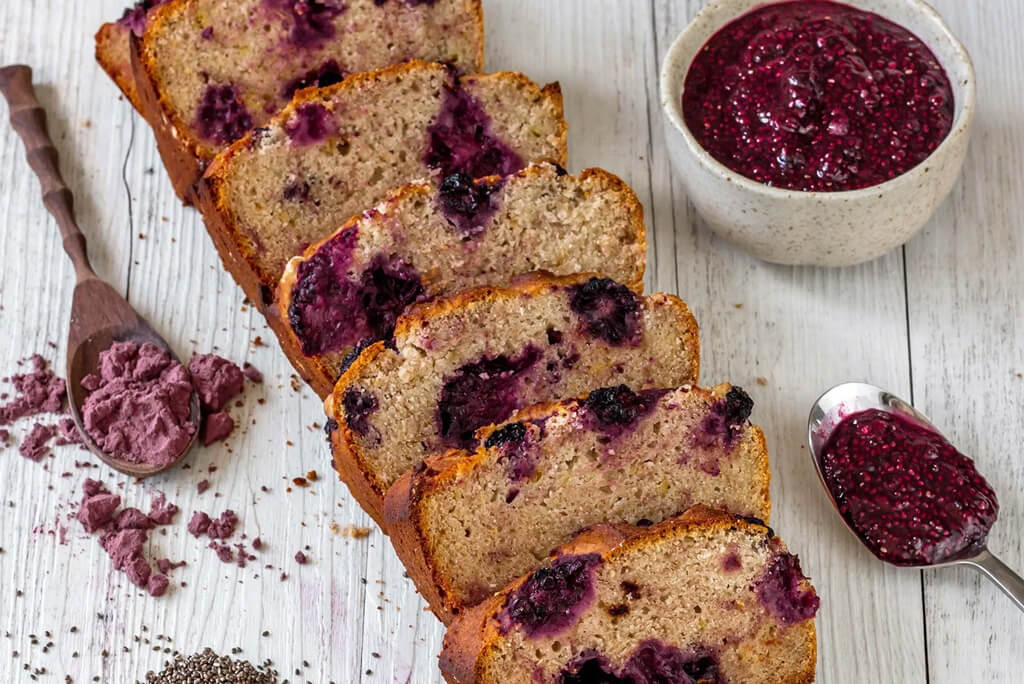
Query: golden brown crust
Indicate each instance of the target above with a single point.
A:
(112, 55)
(220, 221)
(475, 633)
(351, 464)
(401, 520)
(318, 372)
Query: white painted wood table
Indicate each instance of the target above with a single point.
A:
(941, 321)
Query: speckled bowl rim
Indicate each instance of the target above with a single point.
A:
(672, 105)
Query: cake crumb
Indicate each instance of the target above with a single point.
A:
(351, 531)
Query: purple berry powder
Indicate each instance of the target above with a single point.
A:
(468, 205)
(724, 421)
(138, 408)
(39, 391)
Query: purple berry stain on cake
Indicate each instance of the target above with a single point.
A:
(328, 73)
(552, 598)
(222, 117)
(784, 592)
(461, 141)
(616, 410)
(724, 421)
(468, 205)
(608, 311)
(481, 393)
(653, 662)
(910, 495)
(311, 123)
(517, 454)
(134, 18)
(311, 22)
(330, 311)
(359, 405)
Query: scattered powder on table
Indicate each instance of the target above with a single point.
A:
(221, 528)
(139, 404)
(301, 558)
(123, 533)
(202, 486)
(36, 446)
(5, 437)
(218, 381)
(210, 667)
(39, 391)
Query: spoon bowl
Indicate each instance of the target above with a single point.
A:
(100, 316)
(850, 398)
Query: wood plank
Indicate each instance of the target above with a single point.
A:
(801, 330)
(966, 322)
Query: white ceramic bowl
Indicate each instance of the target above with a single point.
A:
(819, 228)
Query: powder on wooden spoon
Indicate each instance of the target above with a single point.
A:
(138, 406)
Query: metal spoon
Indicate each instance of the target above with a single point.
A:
(854, 397)
(100, 316)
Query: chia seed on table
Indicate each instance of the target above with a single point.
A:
(209, 668)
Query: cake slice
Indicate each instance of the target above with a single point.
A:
(207, 71)
(460, 363)
(705, 598)
(443, 236)
(465, 525)
(113, 46)
(333, 152)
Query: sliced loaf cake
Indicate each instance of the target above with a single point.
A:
(467, 525)
(334, 152)
(207, 71)
(706, 598)
(464, 362)
(443, 236)
(113, 47)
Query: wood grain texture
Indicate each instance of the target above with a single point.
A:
(796, 332)
(966, 306)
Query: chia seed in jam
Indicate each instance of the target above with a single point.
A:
(818, 96)
(907, 492)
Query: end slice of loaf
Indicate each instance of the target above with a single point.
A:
(465, 525)
(113, 46)
(208, 70)
(333, 152)
(705, 598)
(460, 363)
(439, 237)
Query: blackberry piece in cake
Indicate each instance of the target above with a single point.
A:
(705, 598)
(467, 524)
(438, 237)
(334, 152)
(461, 363)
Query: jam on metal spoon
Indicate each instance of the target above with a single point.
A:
(908, 494)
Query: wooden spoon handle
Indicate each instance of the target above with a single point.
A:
(28, 119)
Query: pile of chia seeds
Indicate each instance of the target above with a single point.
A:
(209, 668)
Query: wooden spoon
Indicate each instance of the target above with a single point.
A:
(100, 316)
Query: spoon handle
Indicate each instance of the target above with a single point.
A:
(1006, 579)
(28, 119)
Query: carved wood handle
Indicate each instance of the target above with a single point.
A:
(28, 119)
